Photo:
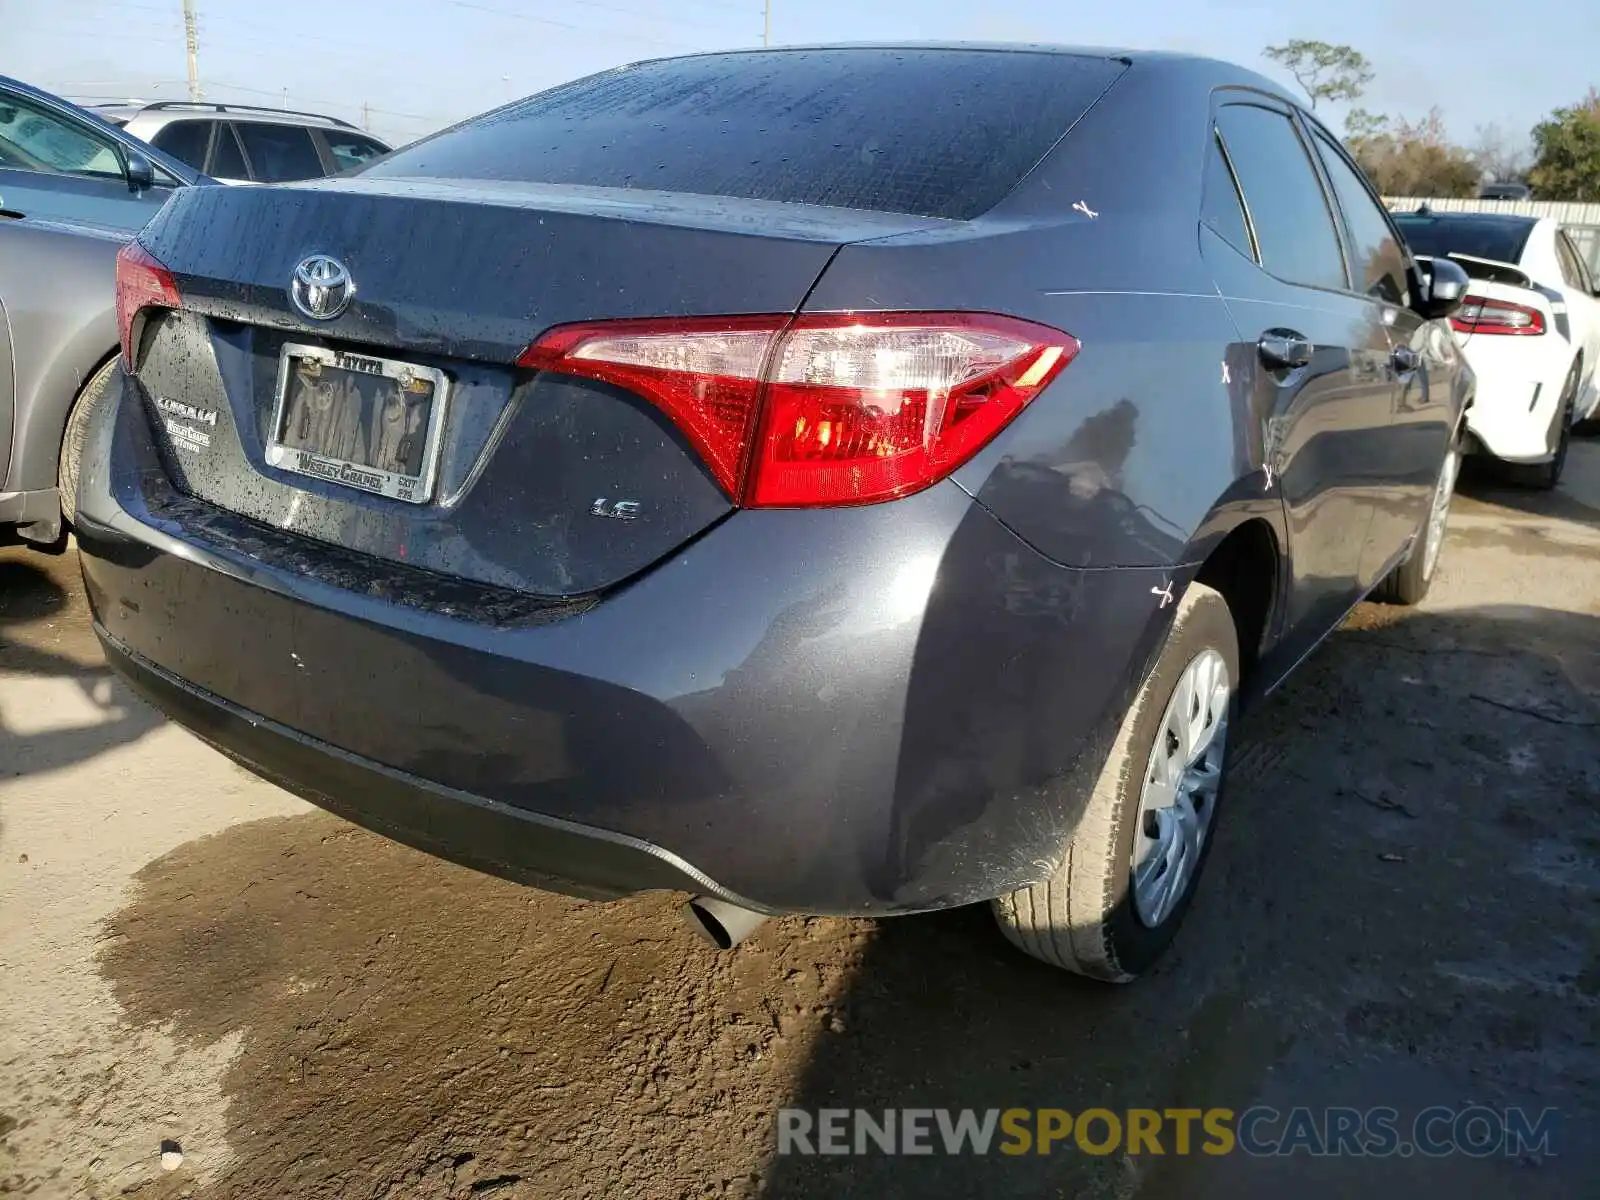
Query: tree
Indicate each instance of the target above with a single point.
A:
(1567, 152)
(1359, 123)
(1325, 71)
(1411, 158)
(1498, 157)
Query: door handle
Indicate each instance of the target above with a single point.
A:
(1283, 349)
(1404, 360)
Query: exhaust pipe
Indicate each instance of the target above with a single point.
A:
(722, 924)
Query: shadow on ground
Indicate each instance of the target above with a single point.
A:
(1402, 909)
(62, 704)
(1576, 499)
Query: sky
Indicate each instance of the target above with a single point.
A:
(407, 67)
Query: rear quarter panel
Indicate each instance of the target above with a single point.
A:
(1133, 456)
(57, 283)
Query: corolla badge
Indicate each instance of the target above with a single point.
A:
(321, 287)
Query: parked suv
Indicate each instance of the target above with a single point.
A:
(240, 143)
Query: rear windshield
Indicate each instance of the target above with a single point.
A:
(937, 133)
(1496, 238)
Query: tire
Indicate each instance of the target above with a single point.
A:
(72, 437)
(1409, 582)
(1544, 476)
(1087, 917)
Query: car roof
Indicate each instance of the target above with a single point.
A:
(224, 110)
(1220, 71)
(172, 166)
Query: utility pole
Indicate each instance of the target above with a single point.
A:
(192, 41)
(766, 23)
(366, 116)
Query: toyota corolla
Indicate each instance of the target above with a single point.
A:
(844, 480)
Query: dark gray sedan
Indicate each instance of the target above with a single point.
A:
(843, 480)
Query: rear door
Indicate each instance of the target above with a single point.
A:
(1318, 362)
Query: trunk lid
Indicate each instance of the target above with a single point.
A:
(452, 280)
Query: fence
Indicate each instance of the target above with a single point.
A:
(1581, 221)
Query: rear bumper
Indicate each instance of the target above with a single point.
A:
(883, 709)
(1513, 417)
(476, 832)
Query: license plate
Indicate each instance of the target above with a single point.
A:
(364, 422)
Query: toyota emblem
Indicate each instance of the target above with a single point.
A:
(321, 287)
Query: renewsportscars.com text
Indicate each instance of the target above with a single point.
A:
(1475, 1131)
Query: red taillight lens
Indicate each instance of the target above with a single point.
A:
(1479, 314)
(869, 407)
(703, 373)
(142, 282)
(854, 408)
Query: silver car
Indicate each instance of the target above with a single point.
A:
(73, 190)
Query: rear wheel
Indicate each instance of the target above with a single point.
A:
(1130, 870)
(72, 437)
(1409, 582)
(1545, 476)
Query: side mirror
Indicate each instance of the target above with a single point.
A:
(141, 174)
(1442, 286)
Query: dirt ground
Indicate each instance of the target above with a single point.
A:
(1403, 908)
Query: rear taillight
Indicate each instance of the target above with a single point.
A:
(822, 409)
(1478, 314)
(142, 282)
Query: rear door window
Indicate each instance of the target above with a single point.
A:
(1585, 273)
(227, 162)
(350, 150)
(939, 133)
(279, 153)
(1379, 262)
(1221, 207)
(1572, 273)
(186, 141)
(1294, 228)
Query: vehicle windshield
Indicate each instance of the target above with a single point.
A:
(1498, 238)
(932, 133)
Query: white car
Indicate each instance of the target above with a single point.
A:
(1530, 329)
